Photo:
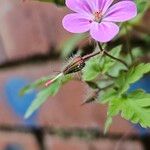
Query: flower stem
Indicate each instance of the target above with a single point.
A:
(79, 62)
(128, 42)
(107, 54)
(86, 57)
(53, 80)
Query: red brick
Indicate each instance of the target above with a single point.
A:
(56, 143)
(3, 57)
(63, 110)
(26, 141)
(30, 28)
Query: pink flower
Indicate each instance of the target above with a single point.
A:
(98, 17)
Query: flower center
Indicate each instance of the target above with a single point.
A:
(98, 16)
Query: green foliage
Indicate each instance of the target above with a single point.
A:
(107, 95)
(133, 107)
(115, 69)
(92, 69)
(141, 4)
(44, 93)
(37, 84)
(107, 124)
(42, 97)
(115, 79)
(135, 73)
(99, 65)
(107, 62)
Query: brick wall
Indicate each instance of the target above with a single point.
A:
(31, 29)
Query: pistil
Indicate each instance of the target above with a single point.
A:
(98, 16)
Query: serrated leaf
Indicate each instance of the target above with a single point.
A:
(99, 65)
(132, 107)
(141, 98)
(134, 74)
(42, 97)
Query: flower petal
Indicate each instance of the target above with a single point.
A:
(76, 23)
(104, 32)
(80, 5)
(104, 5)
(89, 6)
(121, 11)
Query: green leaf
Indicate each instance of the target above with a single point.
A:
(108, 95)
(107, 62)
(66, 78)
(34, 85)
(91, 69)
(71, 44)
(105, 82)
(107, 124)
(134, 74)
(42, 97)
(112, 111)
(99, 65)
(142, 98)
(134, 107)
(115, 69)
(92, 85)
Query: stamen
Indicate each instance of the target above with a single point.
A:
(98, 16)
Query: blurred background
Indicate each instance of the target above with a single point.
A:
(33, 44)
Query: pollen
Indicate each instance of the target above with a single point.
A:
(98, 16)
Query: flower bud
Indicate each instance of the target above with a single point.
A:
(76, 65)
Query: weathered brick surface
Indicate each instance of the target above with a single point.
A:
(23, 140)
(3, 57)
(63, 110)
(56, 143)
(30, 28)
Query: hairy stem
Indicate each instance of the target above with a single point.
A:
(107, 54)
(86, 57)
(128, 42)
